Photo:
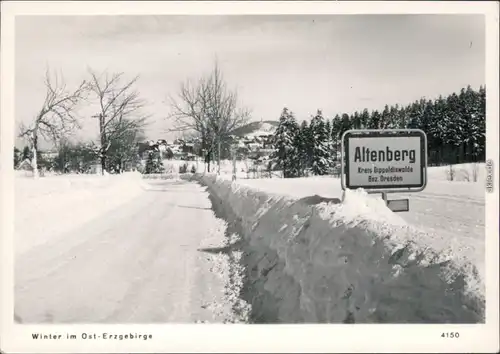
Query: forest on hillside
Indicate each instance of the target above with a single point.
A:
(455, 127)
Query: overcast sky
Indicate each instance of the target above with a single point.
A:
(337, 63)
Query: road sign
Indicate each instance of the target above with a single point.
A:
(397, 205)
(384, 160)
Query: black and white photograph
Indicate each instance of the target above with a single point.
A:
(229, 168)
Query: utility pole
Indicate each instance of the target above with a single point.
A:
(233, 153)
(102, 136)
(34, 149)
(203, 155)
(197, 159)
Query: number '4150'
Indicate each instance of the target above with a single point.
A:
(450, 335)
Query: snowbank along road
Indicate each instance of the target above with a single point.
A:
(453, 212)
(148, 260)
(351, 262)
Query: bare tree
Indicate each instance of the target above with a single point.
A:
(209, 108)
(190, 111)
(224, 115)
(57, 118)
(120, 109)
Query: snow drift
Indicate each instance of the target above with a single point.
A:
(342, 262)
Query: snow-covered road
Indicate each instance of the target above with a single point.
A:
(141, 262)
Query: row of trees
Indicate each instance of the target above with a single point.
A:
(81, 157)
(455, 128)
(308, 147)
(63, 162)
(210, 110)
(120, 117)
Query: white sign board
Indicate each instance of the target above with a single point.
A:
(385, 159)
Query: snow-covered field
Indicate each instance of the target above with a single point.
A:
(172, 166)
(226, 167)
(47, 207)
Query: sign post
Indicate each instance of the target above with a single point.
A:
(385, 161)
(233, 153)
(203, 152)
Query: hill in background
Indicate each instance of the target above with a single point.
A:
(257, 128)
